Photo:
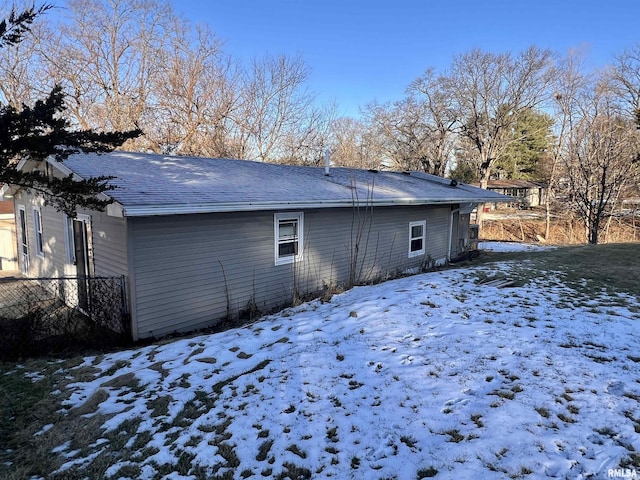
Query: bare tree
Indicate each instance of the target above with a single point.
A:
(275, 106)
(21, 79)
(489, 92)
(439, 117)
(570, 81)
(354, 145)
(194, 94)
(601, 157)
(624, 79)
(404, 134)
(106, 56)
(305, 143)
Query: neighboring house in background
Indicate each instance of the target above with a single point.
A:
(199, 239)
(8, 253)
(526, 194)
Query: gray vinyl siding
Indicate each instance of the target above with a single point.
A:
(51, 263)
(108, 236)
(191, 271)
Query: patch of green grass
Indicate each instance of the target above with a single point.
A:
(217, 388)
(588, 269)
(127, 380)
(454, 436)
(429, 304)
(263, 450)
(477, 419)
(124, 432)
(507, 394)
(129, 471)
(428, 472)
(159, 406)
(353, 384)
(92, 403)
(600, 358)
(332, 434)
(227, 451)
(566, 418)
(632, 396)
(543, 412)
(293, 472)
(567, 395)
(408, 441)
(115, 367)
(296, 451)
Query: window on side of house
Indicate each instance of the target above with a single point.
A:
(417, 236)
(37, 228)
(288, 228)
(69, 239)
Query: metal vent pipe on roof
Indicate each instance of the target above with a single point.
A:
(327, 162)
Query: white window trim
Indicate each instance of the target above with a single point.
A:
(423, 224)
(25, 258)
(38, 234)
(277, 218)
(68, 239)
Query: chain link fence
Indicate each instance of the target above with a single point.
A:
(38, 315)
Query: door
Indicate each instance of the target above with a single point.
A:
(81, 252)
(24, 243)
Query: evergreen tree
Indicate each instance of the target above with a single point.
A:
(41, 131)
(524, 157)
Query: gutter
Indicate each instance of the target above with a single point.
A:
(185, 209)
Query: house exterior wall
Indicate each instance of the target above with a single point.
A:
(108, 241)
(8, 252)
(527, 197)
(190, 271)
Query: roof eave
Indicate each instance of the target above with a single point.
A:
(184, 209)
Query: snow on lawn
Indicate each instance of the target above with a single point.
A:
(511, 246)
(399, 380)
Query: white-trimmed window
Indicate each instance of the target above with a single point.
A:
(37, 229)
(24, 239)
(69, 240)
(288, 228)
(417, 236)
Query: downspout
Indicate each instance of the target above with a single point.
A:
(451, 231)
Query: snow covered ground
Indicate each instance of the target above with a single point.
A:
(427, 375)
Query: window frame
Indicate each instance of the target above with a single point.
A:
(280, 218)
(70, 254)
(38, 233)
(23, 241)
(423, 238)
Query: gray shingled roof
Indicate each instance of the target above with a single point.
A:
(150, 184)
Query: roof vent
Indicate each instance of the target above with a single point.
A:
(454, 183)
(373, 170)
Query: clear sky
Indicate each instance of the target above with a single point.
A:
(360, 51)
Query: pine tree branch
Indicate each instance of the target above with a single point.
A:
(13, 29)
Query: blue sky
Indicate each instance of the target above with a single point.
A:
(360, 51)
